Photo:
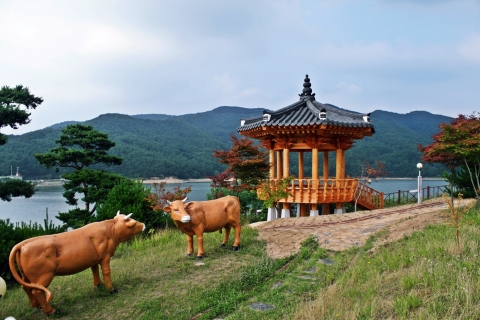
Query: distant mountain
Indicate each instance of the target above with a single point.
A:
(182, 146)
(395, 142)
(63, 124)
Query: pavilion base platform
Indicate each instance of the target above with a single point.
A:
(313, 213)
(339, 210)
(285, 213)
(271, 214)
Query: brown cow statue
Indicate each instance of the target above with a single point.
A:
(197, 217)
(39, 259)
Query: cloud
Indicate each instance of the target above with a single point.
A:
(469, 49)
(347, 88)
(179, 57)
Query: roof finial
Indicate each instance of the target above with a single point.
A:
(307, 91)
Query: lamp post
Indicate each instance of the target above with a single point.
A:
(420, 191)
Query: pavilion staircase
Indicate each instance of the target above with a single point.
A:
(368, 198)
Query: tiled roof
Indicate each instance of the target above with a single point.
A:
(307, 112)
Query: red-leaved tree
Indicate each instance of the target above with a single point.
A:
(369, 172)
(219, 183)
(247, 163)
(160, 195)
(457, 144)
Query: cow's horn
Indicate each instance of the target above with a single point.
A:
(169, 203)
(118, 212)
(184, 199)
(128, 217)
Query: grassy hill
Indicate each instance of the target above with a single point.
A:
(422, 276)
(182, 146)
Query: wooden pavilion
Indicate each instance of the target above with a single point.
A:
(311, 126)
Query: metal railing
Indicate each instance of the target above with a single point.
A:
(411, 196)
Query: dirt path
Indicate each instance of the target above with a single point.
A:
(341, 231)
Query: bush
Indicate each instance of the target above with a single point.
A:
(10, 235)
(249, 202)
(131, 197)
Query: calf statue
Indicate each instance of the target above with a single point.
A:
(197, 217)
(39, 259)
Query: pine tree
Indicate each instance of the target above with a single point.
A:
(12, 114)
(82, 146)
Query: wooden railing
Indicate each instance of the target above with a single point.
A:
(320, 190)
(332, 191)
(368, 197)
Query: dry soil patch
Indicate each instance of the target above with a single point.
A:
(341, 231)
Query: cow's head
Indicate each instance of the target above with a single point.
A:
(177, 210)
(126, 227)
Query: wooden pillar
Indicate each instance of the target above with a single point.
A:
(301, 175)
(314, 164)
(314, 209)
(326, 206)
(325, 165)
(272, 212)
(279, 164)
(303, 209)
(340, 174)
(286, 173)
(301, 166)
(286, 162)
(272, 164)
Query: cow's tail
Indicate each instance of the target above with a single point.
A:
(11, 262)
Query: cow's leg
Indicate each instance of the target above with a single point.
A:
(201, 251)
(189, 245)
(96, 275)
(225, 236)
(33, 300)
(40, 296)
(236, 243)
(107, 274)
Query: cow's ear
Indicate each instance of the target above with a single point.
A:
(167, 209)
(130, 223)
(189, 205)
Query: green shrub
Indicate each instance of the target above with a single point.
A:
(131, 197)
(11, 234)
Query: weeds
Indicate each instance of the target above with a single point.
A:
(456, 214)
(419, 277)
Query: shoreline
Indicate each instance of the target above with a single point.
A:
(173, 180)
(414, 178)
(59, 182)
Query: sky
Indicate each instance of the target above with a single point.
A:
(87, 58)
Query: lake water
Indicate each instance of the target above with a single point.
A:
(393, 185)
(49, 198)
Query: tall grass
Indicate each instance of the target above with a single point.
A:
(423, 276)
(154, 278)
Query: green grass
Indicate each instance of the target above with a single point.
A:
(422, 276)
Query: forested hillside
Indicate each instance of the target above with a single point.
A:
(395, 142)
(157, 145)
(218, 123)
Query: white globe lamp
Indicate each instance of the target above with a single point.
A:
(420, 190)
(3, 287)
